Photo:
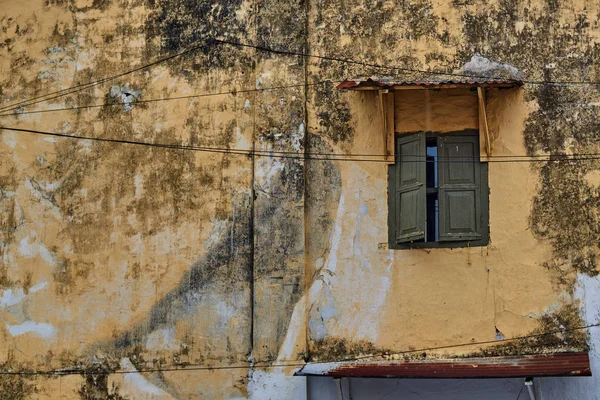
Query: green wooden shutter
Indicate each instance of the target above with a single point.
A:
(408, 194)
(459, 192)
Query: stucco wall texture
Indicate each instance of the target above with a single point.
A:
(117, 258)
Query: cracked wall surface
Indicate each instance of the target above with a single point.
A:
(118, 257)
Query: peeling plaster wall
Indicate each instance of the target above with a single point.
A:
(121, 257)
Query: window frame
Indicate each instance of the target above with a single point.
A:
(484, 200)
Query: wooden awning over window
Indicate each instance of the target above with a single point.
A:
(385, 83)
(385, 87)
(537, 365)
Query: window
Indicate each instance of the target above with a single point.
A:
(438, 191)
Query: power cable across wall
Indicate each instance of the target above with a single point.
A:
(83, 86)
(292, 363)
(212, 41)
(311, 156)
(193, 96)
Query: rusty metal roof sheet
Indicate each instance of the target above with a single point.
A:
(387, 83)
(556, 364)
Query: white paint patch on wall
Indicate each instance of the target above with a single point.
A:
(322, 308)
(162, 241)
(216, 233)
(241, 141)
(136, 244)
(26, 248)
(295, 138)
(136, 386)
(30, 247)
(365, 278)
(334, 244)
(267, 169)
(275, 385)
(42, 329)
(138, 183)
(289, 349)
(47, 255)
(8, 138)
(11, 297)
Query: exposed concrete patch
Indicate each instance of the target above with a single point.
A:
(125, 95)
(482, 66)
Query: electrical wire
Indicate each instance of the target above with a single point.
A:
(289, 363)
(302, 156)
(193, 96)
(396, 68)
(546, 157)
(210, 41)
(80, 87)
(525, 337)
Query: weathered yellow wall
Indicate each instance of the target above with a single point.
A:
(115, 256)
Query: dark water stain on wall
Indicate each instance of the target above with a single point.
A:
(179, 25)
(281, 25)
(373, 32)
(14, 387)
(224, 270)
(9, 222)
(566, 213)
(95, 385)
(557, 330)
(335, 349)
(324, 183)
(334, 115)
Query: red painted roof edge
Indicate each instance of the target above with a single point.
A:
(537, 365)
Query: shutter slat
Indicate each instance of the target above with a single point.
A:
(409, 195)
(459, 189)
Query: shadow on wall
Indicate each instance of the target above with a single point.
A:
(207, 316)
(217, 285)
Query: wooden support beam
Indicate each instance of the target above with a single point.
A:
(386, 108)
(391, 127)
(383, 120)
(485, 144)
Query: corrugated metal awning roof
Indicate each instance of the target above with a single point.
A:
(387, 83)
(556, 364)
